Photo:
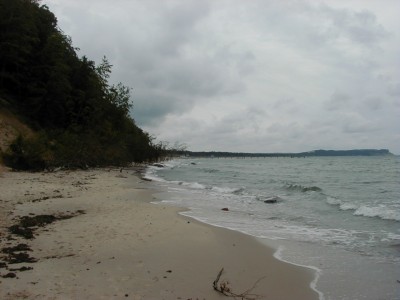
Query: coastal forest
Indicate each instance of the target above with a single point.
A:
(76, 117)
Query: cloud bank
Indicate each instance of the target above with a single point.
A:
(254, 76)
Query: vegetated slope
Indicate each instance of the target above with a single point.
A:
(78, 117)
(10, 128)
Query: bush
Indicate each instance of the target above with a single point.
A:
(28, 154)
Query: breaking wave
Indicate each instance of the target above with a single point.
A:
(380, 211)
(303, 189)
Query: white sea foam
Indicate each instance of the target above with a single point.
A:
(194, 185)
(393, 236)
(226, 190)
(380, 211)
(318, 272)
(151, 176)
(333, 201)
(347, 206)
(342, 205)
(199, 186)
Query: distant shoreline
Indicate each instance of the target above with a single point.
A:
(355, 152)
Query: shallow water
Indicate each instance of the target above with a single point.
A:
(346, 207)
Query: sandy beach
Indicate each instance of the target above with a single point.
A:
(108, 241)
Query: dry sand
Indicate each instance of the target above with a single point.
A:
(125, 247)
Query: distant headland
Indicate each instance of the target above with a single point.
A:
(355, 152)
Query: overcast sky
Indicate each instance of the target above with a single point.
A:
(250, 76)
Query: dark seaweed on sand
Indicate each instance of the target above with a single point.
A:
(27, 224)
(25, 228)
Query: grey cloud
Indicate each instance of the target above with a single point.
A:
(200, 77)
(283, 102)
(394, 90)
(338, 101)
(247, 120)
(301, 22)
(244, 61)
(305, 73)
(373, 103)
(178, 87)
(177, 24)
(359, 27)
(354, 127)
(366, 30)
(287, 105)
(151, 107)
(169, 63)
(353, 122)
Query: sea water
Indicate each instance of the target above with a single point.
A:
(337, 215)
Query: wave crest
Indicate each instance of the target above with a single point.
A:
(303, 189)
(381, 211)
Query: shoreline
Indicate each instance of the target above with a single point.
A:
(124, 246)
(277, 253)
(355, 259)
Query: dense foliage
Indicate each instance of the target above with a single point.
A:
(80, 118)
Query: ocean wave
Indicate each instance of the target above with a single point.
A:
(216, 189)
(347, 206)
(333, 201)
(301, 188)
(342, 205)
(150, 175)
(152, 170)
(269, 199)
(228, 190)
(192, 185)
(380, 211)
(206, 170)
(393, 236)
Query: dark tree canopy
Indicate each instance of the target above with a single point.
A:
(82, 119)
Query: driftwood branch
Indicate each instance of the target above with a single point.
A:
(215, 283)
(224, 289)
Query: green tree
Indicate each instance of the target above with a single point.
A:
(83, 119)
(18, 37)
(120, 95)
